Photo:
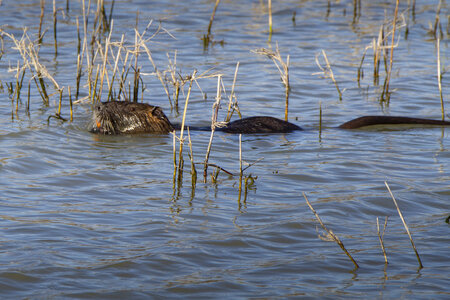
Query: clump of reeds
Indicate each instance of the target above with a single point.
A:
(30, 60)
(283, 69)
(380, 46)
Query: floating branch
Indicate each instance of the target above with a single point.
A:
(404, 224)
(335, 238)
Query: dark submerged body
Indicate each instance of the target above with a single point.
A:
(129, 117)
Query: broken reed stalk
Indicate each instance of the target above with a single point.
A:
(283, 70)
(404, 224)
(386, 94)
(208, 37)
(191, 157)
(329, 71)
(213, 126)
(211, 20)
(439, 75)
(381, 237)
(232, 96)
(335, 238)
(377, 48)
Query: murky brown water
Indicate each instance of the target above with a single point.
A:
(86, 216)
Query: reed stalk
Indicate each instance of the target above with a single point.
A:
(41, 20)
(213, 125)
(191, 158)
(115, 69)
(386, 94)
(381, 237)
(71, 104)
(29, 96)
(207, 39)
(330, 233)
(439, 77)
(183, 122)
(232, 103)
(174, 155)
(60, 103)
(404, 224)
(270, 20)
(105, 62)
(437, 21)
(55, 21)
(320, 120)
(94, 87)
(240, 168)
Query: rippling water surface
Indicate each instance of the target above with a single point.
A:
(88, 216)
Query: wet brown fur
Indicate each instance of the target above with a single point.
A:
(129, 117)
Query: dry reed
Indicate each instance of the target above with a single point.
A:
(386, 95)
(270, 20)
(404, 224)
(381, 237)
(208, 38)
(328, 72)
(283, 69)
(330, 233)
(214, 116)
(439, 77)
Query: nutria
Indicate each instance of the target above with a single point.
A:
(129, 117)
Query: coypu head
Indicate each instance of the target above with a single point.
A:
(120, 117)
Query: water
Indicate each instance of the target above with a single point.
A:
(86, 216)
